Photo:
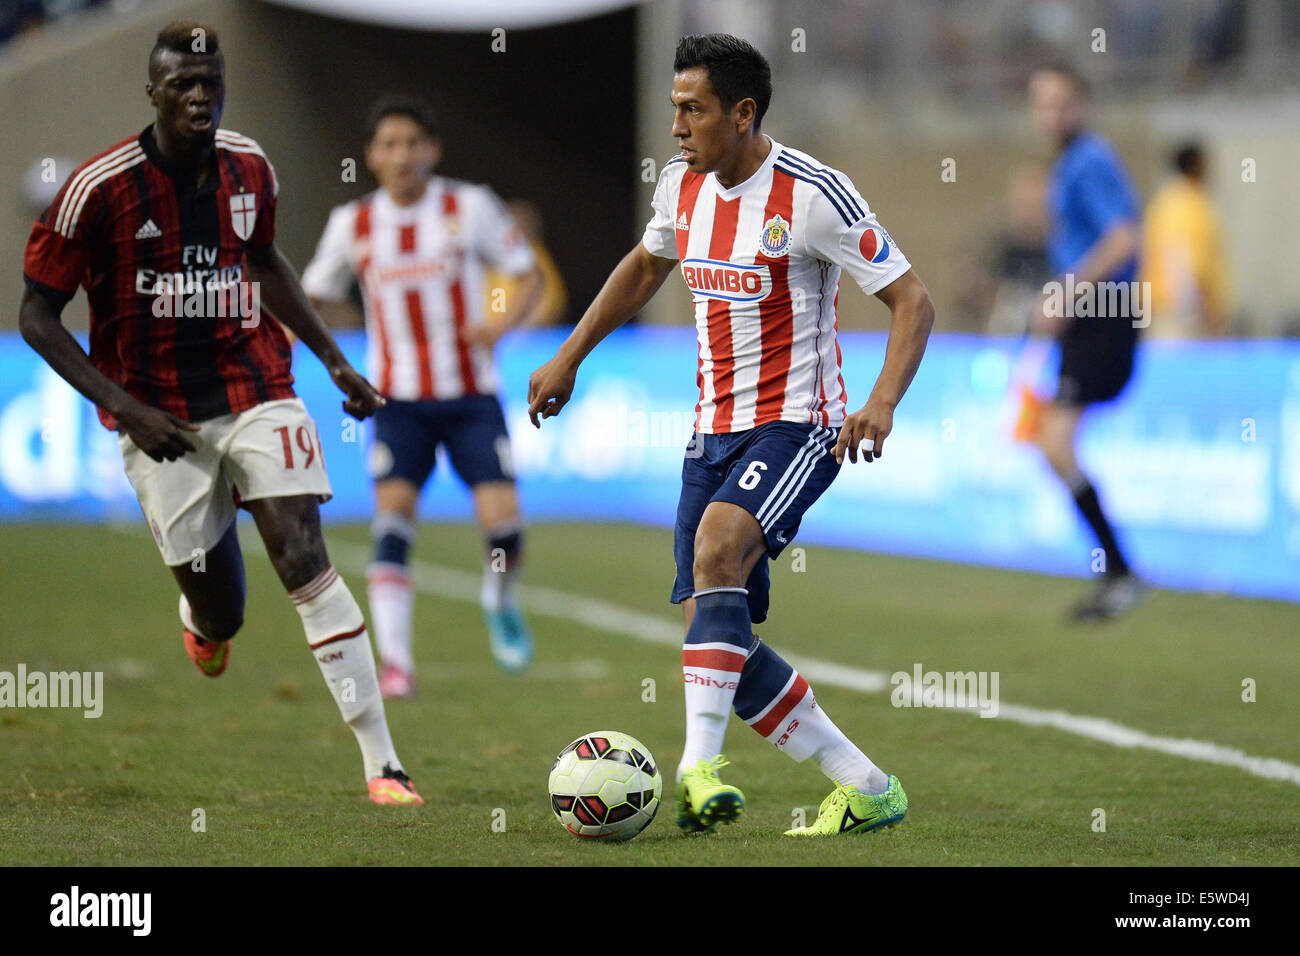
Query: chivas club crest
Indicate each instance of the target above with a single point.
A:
(243, 214)
(775, 238)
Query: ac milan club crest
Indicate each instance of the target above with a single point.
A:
(243, 214)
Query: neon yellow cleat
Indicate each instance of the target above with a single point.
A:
(848, 811)
(703, 801)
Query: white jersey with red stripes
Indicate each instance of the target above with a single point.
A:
(763, 262)
(421, 268)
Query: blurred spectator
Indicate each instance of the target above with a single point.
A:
(17, 16)
(554, 301)
(1183, 254)
(1222, 34)
(1020, 267)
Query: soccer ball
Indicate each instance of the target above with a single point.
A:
(605, 786)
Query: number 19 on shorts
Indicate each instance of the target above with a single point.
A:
(306, 446)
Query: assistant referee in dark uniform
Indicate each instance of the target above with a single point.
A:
(1094, 237)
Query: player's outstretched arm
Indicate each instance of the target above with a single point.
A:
(284, 296)
(159, 434)
(1118, 244)
(909, 330)
(629, 287)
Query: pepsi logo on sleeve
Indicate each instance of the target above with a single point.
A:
(874, 245)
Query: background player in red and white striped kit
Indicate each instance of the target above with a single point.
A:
(419, 247)
(170, 231)
(762, 233)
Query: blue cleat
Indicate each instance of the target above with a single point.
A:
(512, 644)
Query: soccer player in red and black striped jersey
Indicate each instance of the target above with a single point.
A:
(171, 232)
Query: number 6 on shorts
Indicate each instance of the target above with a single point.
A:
(752, 476)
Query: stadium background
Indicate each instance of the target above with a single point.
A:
(571, 115)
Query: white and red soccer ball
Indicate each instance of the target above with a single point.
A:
(605, 786)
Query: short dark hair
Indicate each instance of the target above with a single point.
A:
(186, 37)
(411, 107)
(1061, 68)
(736, 70)
(1189, 159)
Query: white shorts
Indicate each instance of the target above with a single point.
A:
(271, 450)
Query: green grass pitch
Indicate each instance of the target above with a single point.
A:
(264, 754)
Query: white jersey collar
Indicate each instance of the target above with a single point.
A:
(431, 192)
(760, 175)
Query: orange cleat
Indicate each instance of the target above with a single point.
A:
(394, 786)
(211, 657)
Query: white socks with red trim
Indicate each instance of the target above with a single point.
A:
(336, 632)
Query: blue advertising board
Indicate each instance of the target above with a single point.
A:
(1198, 462)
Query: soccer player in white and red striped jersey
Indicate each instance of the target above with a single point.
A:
(762, 233)
(420, 246)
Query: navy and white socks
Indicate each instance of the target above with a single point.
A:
(775, 700)
(713, 657)
(388, 584)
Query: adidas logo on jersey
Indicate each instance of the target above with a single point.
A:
(681, 221)
(148, 231)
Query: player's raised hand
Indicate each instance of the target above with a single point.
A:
(485, 334)
(159, 434)
(362, 397)
(549, 389)
(870, 425)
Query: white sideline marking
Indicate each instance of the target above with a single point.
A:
(586, 669)
(614, 619)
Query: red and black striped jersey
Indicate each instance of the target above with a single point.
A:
(163, 264)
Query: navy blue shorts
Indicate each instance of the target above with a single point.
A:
(775, 472)
(473, 430)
